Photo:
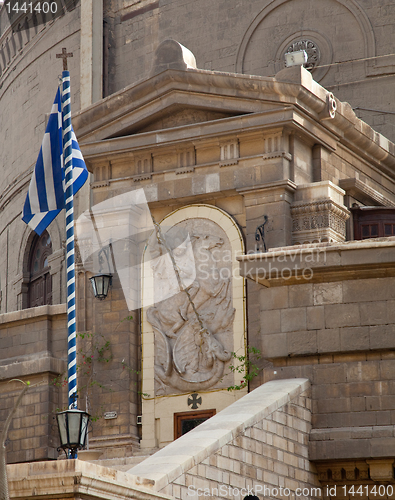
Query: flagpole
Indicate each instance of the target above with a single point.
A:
(70, 262)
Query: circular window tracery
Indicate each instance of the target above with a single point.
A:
(311, 48)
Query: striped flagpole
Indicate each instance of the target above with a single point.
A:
(71, 313)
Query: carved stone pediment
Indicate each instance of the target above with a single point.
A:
(178, 116)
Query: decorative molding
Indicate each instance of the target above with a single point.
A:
(359, 470)
(96, 185)
(329, 112)
(142, 177)
(186, 158)
(277, 154)
(230, 153)
(318, 221)
(322, 262)
(143, 164)
(363, 193)
(275, 145)
(101, 175)
(226, 163)
(343, 471)
(352, 6)
(184, 170)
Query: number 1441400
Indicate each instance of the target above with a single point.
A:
(368, 490)
(30, 7)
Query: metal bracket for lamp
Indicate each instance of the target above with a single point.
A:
(260, 236)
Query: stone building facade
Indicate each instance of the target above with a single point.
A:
(212, 142)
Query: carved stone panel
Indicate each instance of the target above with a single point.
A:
(276, 146)
(143, 167)
(318, 214)
(192, 316)
(318, 221)
(230, 152)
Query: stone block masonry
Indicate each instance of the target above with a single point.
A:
(258, 442)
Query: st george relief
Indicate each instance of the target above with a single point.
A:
(193, 314)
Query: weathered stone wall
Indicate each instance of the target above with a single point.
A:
(33, 434)
(74, 479)
(272, 453)
(115, 373)
(28, 85)
(32, 346)
(348, 316)
(341, 336)
(135, 30)
(250, 37)
(260, 440)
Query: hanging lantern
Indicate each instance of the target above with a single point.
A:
(73, 427)
(100, 284)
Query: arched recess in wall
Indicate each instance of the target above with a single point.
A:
(205, 241)
(40, 279)
(25, 263)
(292, 22)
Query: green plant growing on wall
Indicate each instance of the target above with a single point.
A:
(96, 350)
(244, 365)
(94, 353)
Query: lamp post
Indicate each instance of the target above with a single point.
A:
(73, 427)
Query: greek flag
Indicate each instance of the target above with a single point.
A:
(46, 195)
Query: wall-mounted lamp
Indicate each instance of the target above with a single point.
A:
(73, 427)
(102, 281)
(297, 58)
(100, 284)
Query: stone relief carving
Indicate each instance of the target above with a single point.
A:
(193, 327)
(317, 221)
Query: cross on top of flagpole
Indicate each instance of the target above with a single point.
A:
(64, 55)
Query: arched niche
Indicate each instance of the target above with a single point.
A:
(282, 22)
(55, 262)
(179, 355)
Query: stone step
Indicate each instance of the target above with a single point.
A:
(120, 463)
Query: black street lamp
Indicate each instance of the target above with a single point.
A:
(100, 284)
(73, 427)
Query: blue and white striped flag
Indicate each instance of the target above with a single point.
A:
(46, 195)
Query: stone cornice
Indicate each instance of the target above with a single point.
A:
(32, 314)
(296, 88)
(321, 262)
(301, 208)
(285, 117)
(32, 365)
(367, 195)
(73, 479)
